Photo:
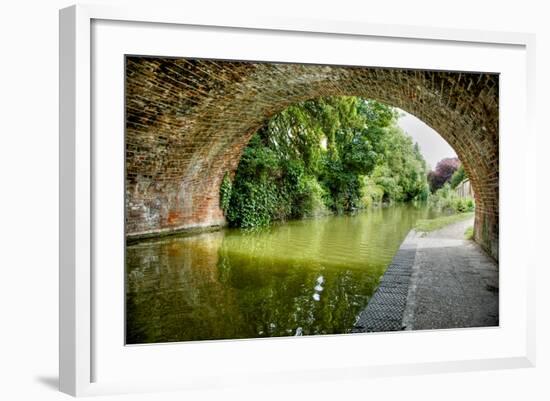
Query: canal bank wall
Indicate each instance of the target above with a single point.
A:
(436, 280)
(385, 309)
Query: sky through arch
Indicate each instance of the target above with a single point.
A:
(432, 146)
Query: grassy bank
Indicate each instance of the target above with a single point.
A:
(428, 225)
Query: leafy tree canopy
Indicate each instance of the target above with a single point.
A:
(443, 172)
(331, 154)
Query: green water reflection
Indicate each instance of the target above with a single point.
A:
(301, 277)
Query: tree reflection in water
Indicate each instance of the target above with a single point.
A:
(298, 278)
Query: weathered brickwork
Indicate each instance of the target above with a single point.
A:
(187, 122)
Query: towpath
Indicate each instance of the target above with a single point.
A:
(437, 280)
(454, 283)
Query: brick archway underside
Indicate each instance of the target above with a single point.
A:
(187, 122)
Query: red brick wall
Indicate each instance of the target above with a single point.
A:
(187, 122)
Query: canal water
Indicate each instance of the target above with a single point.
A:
(296, 278)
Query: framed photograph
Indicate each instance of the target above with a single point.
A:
(276, 200)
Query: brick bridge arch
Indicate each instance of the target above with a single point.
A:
(187, 122)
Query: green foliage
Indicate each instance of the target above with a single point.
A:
(447, 200)
(443, 172)
(334, 154)
(458, 176)
(371, 193)
(253, 204)
(255, 199)
(376, 148)
(402, 172)
(225, 193)
(469, 233)
(311, 198)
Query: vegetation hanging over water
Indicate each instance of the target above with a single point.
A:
(328, 155)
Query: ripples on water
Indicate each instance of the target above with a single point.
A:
(298, 278)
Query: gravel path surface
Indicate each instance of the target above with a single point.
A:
(454, 283)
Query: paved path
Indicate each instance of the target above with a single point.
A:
(453, 284)
(436, 280)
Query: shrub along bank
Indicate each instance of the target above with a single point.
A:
(447, 200)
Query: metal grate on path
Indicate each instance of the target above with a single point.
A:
(384, 311)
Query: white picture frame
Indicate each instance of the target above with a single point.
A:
(81, 346)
